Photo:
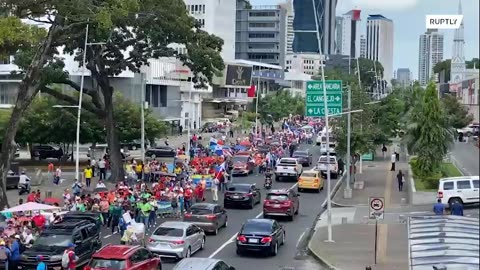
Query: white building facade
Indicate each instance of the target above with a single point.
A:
(307, 63)
(350, 34)
(430, 52)
(380, 35)
(363, 46)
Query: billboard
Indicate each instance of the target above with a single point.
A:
(238, 76)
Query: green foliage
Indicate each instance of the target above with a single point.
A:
(280, 104)
(389, 113)
(16, 35)
(474, 63)
(429, 182)
(428, 134)
(445, 65)
(457, 114)
(245, 122)
(4, 118)
(367, 73)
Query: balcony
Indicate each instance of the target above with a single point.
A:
(264, 50)
(264, 29)
(264, 40)
(263, 19)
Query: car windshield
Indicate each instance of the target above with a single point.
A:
(300, 154)
(59, 240)
(107, 264)
(165, 231)
(239, 188)
(309, 174)
(200, 210)
(277, 197)
(324, 160)
(240, 159)
(257, 227)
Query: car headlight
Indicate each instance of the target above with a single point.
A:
(24, 257)
(55, 258)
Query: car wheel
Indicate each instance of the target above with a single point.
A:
(159, 267)
(153, 156)
(278, 178)
(275, 249)
(202, 246)
(239, 253)
(299, 190)
(215, 232)
(189, 253)
(226, 223)
(283, 239)
(265, 216)
(317, 190)
(252, 205)
(134, 148)
(298, 208)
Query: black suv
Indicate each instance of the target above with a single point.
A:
(162, 151)
(46, 151)
(53, 242)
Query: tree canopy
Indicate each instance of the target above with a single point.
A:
(457, 115)
(279, 104)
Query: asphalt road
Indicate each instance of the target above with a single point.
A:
(467, 156)
(290, 255)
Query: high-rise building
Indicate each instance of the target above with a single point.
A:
(430, 52)
(261, 33)
(403, 76)
(457, 70)
(363, 46)
(350, 33)
(338, 34)
(288, 6)
(307, 24)
(380, 43)
(216, 18)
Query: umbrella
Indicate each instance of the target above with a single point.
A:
(51, 201)
(30, 206)
(307, 127)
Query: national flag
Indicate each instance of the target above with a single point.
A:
(213, 142)
(227, 152)
(356, 15)
(220, 171)
(251, 91)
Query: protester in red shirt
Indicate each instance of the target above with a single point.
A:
(39, 220)
(32, 197)
(198, 193)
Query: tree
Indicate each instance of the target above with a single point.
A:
(474, 63)
(445, 66)
(39, 47)
(280, 104)
(457, 114)
(133, 33)
(428, 134)
(389, 115)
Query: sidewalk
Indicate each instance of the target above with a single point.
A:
(354, 233)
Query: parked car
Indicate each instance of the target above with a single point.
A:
(304, 157)
(202, 264)
(242, 165)
(125, 258)
(260, 235)
(53, 241)
(162, 151)
(461, 189)
(99, 150)
(281, 202)
(209, 127)
(208, 216)
(310, 180)
(242, 195)
(134, 145)
(46, 151)
(176, 239)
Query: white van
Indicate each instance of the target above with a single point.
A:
(463, 189)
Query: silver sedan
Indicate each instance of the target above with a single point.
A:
(175, 239)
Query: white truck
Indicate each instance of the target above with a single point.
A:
(469, 130)
(324, 161)
(288, 168)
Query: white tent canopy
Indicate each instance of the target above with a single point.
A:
(30, 206)
(307, 127)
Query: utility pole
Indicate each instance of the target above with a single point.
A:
(347, 193)
(142, 107)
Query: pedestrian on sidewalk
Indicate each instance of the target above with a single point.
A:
(439, 208)
(400, 180)
(384, 150)
(456, 208)
(393, 160)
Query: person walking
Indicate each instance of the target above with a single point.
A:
(214, 188)
(439, 208)
(101, 167)
(69, 258)
(393, 160)
(88, 174)
(456, 208)
(400, 180)
(5, 255)
(384, 150)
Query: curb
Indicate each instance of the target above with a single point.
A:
(317, 256)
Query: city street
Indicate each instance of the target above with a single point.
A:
(222, 246)
(466, 157)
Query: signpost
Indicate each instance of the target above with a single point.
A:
(377, 210)
(314, 98)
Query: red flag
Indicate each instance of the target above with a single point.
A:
(356, 15)
(251, 91)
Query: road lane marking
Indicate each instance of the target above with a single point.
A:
(232, 239)
(300, 239)
(383, 228)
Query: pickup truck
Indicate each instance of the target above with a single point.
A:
(288, 168)
(322, 164)
(469, 130)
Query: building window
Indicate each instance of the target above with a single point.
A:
(262, 14)
(4, 93)
(261, 24)
(156, 95)
(261, 35)
(201, 22)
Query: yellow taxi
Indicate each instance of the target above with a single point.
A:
(310, 180)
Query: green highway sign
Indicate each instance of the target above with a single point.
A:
(314, 102)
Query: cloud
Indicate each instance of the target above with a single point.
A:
(380, 5)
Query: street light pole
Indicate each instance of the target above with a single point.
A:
(347, 193)
(189, 116)
(325, 107)
(142, 107)
(79, 109)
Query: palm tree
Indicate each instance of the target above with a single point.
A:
(428, 133)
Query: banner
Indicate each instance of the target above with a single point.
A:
(237, 75)
(197, 177)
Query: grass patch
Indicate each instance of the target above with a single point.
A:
(430, 183)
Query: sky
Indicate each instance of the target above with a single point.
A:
(409, 23)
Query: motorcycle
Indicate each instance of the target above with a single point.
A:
(268, 182)
(23, 188)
